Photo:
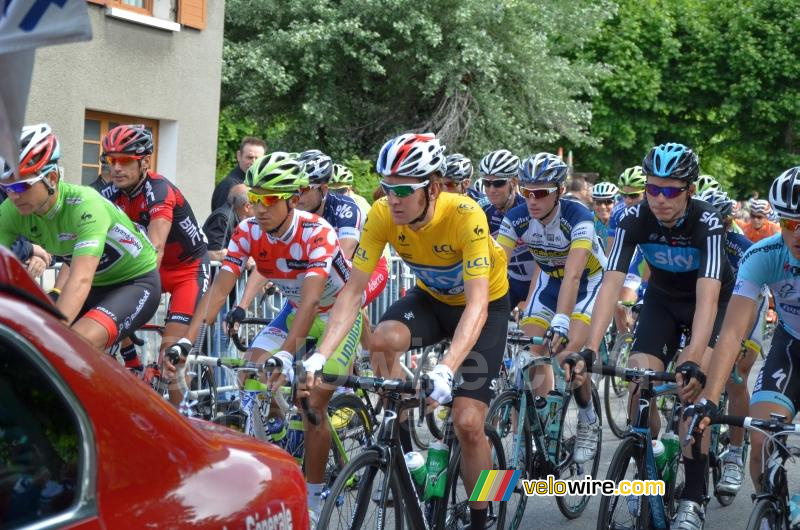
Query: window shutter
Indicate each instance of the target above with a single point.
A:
(192, 13)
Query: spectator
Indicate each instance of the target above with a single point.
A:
(250, 149)
(578, 189)
(103, 179)
(221, 223)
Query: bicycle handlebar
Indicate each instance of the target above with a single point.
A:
(772, 425)
(632, 373)
(237, 341)
(376, 384)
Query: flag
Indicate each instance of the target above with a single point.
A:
(24, 26)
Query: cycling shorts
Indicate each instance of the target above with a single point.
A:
(778, 381)
(658, 329)
(377, 282)
(542, 306)
(517, 291)
(755, 340)
(125, 307)
(271, 338)
(430, 321)
(186, 285)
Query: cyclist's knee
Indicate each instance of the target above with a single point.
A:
(390, 338)
(468, 422)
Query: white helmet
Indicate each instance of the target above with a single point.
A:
(759, 206)
(501, 163)
(459, 168)
(411, 155)
(784, 194)
(543, 168)
(604, 190)
(719, 200)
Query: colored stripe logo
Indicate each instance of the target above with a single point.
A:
(494, 485)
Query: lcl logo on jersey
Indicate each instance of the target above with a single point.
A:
(443, 249)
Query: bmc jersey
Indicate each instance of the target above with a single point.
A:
(677, 256)
(308, 248)
(344, 215)
(453, 247)
(571, 227)
(158, 198)
(82, 223)
(769, 262)
(521, 264)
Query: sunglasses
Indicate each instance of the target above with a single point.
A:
(309, 188)
(402, 190)
(670, 192)
(631, 195)
(495, 183)
(538, 193)
(22, 186)
(789, 224)
(266, 200)
(121, 160)
(604, 201)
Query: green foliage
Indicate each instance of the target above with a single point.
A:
(365, 179)
(346, 75)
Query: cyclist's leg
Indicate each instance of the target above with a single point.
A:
(186, 286)
(478, 371)
(112, 313)
(535, 321)
(777, 390)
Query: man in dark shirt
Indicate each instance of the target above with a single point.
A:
(250, 149)
(220, 224)
(103, 179)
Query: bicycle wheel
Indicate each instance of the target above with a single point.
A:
(203, 382)
(572, 506)
(348, 416)
(615, 390)
(355, 499)
(617, 511)
(456, 515)
(435, 418)
(503, 416)
(765, 515)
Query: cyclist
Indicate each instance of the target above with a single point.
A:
(774, 262)
(690, 285)
(603, 198)
(631, 187)
(559, 233)
(759, 227)
(705, 183)
(499, 171)
(735, 246)
(299, 253)
(457, 176)
(460, 292)
(109, 277)
(341, 182)
(155, 203)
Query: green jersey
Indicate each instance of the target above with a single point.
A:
(83, 223)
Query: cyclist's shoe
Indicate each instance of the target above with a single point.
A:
(341, 418)
(732, 476)
(690, 516)
(313, 519)
(586, 441)
(794, 512)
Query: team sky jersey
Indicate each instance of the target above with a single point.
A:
(308, 248)
(453, 247)
(677, 256)
(158, 198)
(769, 262)
(344, 215)
(616, 214)
(571, 227)
(735, 247)
(82, 223)
(521, 265)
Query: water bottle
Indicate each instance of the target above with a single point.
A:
(419, 472)
(294, 437)
(660, 456)
(276, 430)
(542, 411)
(672, 450)
(438, 456)
(555, 400)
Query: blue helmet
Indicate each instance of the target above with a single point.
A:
(675, 161)
(543, 168)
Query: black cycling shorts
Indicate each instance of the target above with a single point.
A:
(658, 329)
(125, 307)
(430, 321)
(779, 379)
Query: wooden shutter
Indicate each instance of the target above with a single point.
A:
(192, 13)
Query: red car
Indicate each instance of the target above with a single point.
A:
(83, 444)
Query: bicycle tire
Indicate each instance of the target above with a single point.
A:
(765, 509)
(614, 389)
(206, 406)
(355, 514)
(456, 513)
(349, 417)
(627, 449)
(714, 458)
(578, 470)
(432, 418)
(503, 421)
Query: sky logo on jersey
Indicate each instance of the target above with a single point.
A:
(439, 279)
(673, 259)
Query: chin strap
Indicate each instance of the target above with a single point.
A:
(424, 210)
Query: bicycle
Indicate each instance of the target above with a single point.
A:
(615, 390)
(538, 446)
(376, 488)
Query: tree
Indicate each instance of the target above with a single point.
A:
(345, 75)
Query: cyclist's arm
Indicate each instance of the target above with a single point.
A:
(705, 313)
(471, 322)
(573, 270)
(210, 304)
(217, 255)
(77, 287)
(255, 285)
(62, 277)
(607, 297)
(534, 282)
(737, 323)
(157, 233)
(342, 316)
(306, 312)
(348, 245)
